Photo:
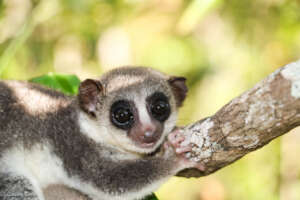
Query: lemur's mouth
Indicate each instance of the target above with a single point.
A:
(147, 145)
(146, 141)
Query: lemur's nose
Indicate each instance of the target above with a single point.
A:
(149, 133)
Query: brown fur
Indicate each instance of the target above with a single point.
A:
(61, 192)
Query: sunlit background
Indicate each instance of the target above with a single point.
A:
(222, 47)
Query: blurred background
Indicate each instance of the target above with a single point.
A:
(222, 47)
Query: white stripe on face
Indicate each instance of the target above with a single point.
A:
(143, 113)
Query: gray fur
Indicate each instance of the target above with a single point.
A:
(8, 114)
(81, 156)
(15, 188)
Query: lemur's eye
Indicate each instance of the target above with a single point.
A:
(121, 115)
(159, 106)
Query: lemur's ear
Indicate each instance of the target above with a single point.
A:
(179, 88)
(89, 91)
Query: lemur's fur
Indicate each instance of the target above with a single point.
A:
(47, 138)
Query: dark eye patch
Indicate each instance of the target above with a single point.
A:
(158, 106)
(121, 114)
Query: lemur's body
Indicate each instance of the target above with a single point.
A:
(103, 143)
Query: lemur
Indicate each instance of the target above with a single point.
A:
(110, 142)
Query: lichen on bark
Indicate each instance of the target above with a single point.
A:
(268, 110)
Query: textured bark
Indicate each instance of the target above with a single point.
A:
(247, 123)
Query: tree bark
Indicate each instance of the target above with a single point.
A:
(247, 123)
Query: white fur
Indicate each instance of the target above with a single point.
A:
(43, 168)
(143, 112)
(33, 101)
(36, 165)
(93, 130)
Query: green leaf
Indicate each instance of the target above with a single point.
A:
(151, 197)
(67, 84)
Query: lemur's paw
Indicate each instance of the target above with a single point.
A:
(176, 141)
(176, 138)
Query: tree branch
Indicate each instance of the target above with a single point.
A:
(248, 122)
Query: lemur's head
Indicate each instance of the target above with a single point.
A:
(132, 107)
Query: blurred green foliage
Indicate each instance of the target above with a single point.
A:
(67, 84)
(222, 47)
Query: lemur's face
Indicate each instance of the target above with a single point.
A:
(143, 121)
(136, 106)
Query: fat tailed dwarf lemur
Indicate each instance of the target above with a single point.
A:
(109, 142)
